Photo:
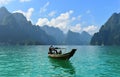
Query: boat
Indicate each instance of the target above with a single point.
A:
(65, 56)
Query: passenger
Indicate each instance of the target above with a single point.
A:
(51, 49)
(55, 51)
(60, 52)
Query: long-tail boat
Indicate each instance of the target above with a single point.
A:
(65, 56)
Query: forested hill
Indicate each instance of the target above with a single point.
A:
(70, 38)
(16, 29)
(109, 33)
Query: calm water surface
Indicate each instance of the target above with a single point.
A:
(33, 61)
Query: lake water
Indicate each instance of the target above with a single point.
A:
(33, 61)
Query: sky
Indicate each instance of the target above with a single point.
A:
(74, 15)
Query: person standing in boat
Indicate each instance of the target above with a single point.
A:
(51, 49)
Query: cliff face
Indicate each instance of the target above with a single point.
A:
(71, 38)
(15, 29)
(56, 33)
(109, 34)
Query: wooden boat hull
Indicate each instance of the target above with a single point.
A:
(65, 56)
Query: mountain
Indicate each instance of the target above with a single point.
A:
(56, 33)
(86, 37)
(3, 13)
(109, 33)
(74, 38)
(71, 38)
(15, 29)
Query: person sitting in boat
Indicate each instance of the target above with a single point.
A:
(51, 49)
(55, 51)
(60, 52)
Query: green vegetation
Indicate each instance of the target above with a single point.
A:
(109, 34)
(15, 29)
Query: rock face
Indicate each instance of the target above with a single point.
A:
(56, 33)
(15, 29)
(109, 34)
(86, 37)
(71, 38)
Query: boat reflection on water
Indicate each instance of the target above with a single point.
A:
(62, 68)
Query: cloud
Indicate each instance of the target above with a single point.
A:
(25, 0)
(51, 14)
(62, 21)
(73, 18)
(79, 17)
(88, 11)
(76, 28)
(44, 8)
(42, 21)
(27, 14)
(91, 29)
(3, 2)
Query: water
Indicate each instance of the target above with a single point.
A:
(33, 61)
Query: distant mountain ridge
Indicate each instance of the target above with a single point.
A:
(15, 29)
(71, 38)
(54, 32)
(109, 34)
